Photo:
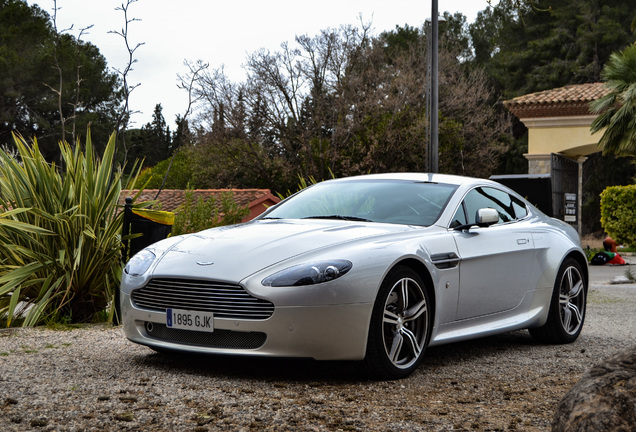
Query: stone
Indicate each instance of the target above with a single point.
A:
(604, 399)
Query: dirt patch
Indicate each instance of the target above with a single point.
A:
(593, 241)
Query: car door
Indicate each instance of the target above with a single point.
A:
(495, 261)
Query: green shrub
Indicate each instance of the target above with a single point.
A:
(196, 215)
(179, 176)
(60, 241)
(618, 213)
(145, 176)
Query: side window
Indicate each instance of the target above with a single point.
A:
(520, 208)
(508, 207)
(460, 217)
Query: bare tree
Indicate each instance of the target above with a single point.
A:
(186, 83)
(125, 114)
(59, 91)
(339, 102)
(78, 82)
(468, 100)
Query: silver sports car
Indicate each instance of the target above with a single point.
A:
(372, 268)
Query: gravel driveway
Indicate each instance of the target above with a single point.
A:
(94, 379)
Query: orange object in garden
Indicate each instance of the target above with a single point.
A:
(609, 244)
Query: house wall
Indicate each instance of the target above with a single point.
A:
(256, 208)
(569, 136)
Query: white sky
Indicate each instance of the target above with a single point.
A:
(220, 33)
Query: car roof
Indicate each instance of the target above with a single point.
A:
(422, 177)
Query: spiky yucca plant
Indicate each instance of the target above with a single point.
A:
(60, 234)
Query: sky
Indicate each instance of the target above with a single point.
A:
(221, 33)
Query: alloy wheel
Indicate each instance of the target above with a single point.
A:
(405, 323)
(572, 300)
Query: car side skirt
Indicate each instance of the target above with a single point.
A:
(530, 312)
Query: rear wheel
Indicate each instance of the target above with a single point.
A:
(567, 308)
(400, 325)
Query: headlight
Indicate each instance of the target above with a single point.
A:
(140, 263)
(308, 274)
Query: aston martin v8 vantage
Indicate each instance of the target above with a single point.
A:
(371, 268)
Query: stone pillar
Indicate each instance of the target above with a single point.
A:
(539, 163)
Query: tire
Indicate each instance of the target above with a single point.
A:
(567, 307)
(400, 325)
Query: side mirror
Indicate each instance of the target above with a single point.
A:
(486, 217)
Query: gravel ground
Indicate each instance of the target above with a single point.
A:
(94, 379)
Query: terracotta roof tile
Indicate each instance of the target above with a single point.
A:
(571, 100)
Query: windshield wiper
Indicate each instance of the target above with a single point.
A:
(340, 217)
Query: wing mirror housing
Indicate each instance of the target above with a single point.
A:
(486, 217)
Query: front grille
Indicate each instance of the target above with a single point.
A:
(223, 299)
(216, 339)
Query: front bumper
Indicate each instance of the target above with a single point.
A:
(322, 332)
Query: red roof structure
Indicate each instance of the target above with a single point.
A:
(571, 100)
(257, 200)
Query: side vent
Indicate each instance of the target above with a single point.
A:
(445, 260)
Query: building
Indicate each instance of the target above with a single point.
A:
(558, 121)
(560, 141)
(256, 200)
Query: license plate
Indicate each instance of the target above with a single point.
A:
(189, 320)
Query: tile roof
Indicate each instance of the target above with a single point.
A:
(256, 200)
(571, 100)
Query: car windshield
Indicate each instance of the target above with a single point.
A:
(387, 201)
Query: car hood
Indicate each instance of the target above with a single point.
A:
(235, 252)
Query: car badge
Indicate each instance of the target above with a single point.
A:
(204, 263)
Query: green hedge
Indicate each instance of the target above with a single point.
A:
(618, 213)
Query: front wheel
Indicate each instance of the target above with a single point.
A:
(400, 325)
(567, 308)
